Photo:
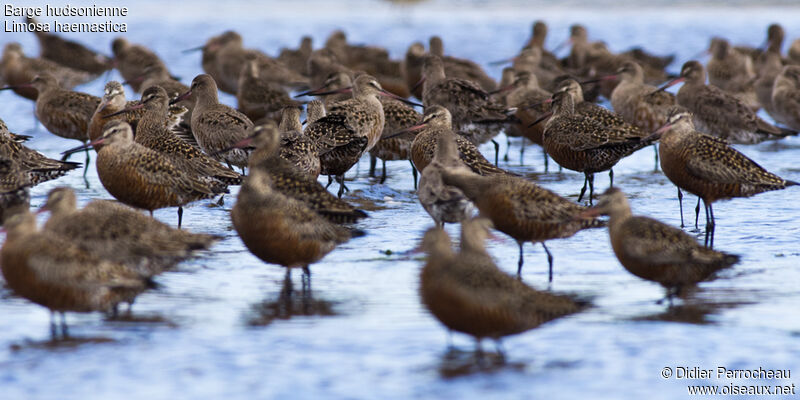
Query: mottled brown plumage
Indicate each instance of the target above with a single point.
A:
(655, 251)
(443, 203)
(398, 116)
(786, 97)
(38, 167)
(112, 102)
(297, 59)
(295, 146)
(289, 180)
(260, 98)
(18, 70)
(70, 53)
(521, 209)
(52, 271)
(119, 233)
(133, 61)
(435, 123)
(63, 112)
(635, 101)
(732, 71)
(467, 293)
(217, 126)
(708, 167)
(15, 186)
(461, 67)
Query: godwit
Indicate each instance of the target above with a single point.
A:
(521, 209)
(153, 133)
(216, 126)
(258, 98)
(655, 251)
(528, 98)
(287, 179)
(719, 113)
(52, 271)
(297, 60)
(144, 178)
(121, 234)
(315, 109)
(14, 188)
(112, 102)
(435, 123)
(786, 97)
(467, 293)
(708, 167)
(442, 202)
(474, 113)
(460, 67)
(38, 167)
(583, 143)
(397, 116)
(732, 71)
(794, 51)
(70, 53)
(281, 230)
(295, 146)
(133, 61)
(412, 68)
(770, 65)
(336, 81)
(18, 70)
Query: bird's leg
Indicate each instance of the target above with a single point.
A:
(478, 350)
(373, 163)
(545, 161)
(590, 177)
(414, 174)
(180, 216)
(307, 281)
(519, 265)
(151, 213)
(583, 189)
(498, 344)
(383, 172)
(680, 205)
(610, 179)
(64, 331)
(450, 339)
(86, 166)
(708, 223)
(697, 214)
(655, 148)
(496, 152)
(712, 226)
(53, 328)
(508, 147)
(522, 151)
(229, 164)
(549, 263)
(342, 186)
(330, 180)
(243, 171)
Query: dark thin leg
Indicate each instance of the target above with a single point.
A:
(583, 189)
(655, 149)
(383, 172)
(180, 216)
(64, 330)
(229, 164)
(151, 213)
(522, 152)
(496, 152)
(498, 345)
(306, 282)
(680, 205)
(414, 174)
(549, 263)
(449, 339)
(590, 177)
(508, 147)
(53, 327)
(373, 162)
(86, 165)
(611, 177)
(478, 349)
(712, 226)
(330, 180)
(519, 265)
(546, 161)
(342, 186)
(243, 171)
(286, 290)
(697, 214)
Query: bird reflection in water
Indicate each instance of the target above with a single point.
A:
(699, 306)
(289, 304)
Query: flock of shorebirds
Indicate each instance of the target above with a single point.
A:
(178, 144)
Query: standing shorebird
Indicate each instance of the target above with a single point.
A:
(708, 167)
(398, 116)
(443, 203)
(435, 123)
(529, 99)
(113, 101)
(271, 157)
(133, 61)
(70, 53)
(732, 71)
(786, 97)
(583, 143)
(216, 126)
(468, 293)
(295, 146)
(521, 209)
(258, 98)
(460, 67)
(38, 167)
(121, 234)
(54, 272)
(15, 187)
(719, 113)
(655, 251)
(17, 71)
(144, 178)
(281, 230)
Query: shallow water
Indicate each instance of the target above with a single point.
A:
(213, 329)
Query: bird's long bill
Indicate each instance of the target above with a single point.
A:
(418, 84)
(83, 146)
(670, 83)
(406, 130)
(135, 79)
(600, 79)
(313, 92)
(238, 145)
(534, 105)
(591, 212)
(562, 45)
(193, 49)
(181, 97)
(398, 98)
(502, 62)
(103, 104)
(124, 110)
(502, 89)
(658, 132)
(541, 118)
(348, 89)
(24, 85)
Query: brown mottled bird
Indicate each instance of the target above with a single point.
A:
(461, 67)
(17, 71)
(467, 293)
(655, 251)
(38, 167)
(397, 116)
(279, 229)
(732, 71)
(443, 203)
(436, 123)
(216, 126)
(70, 53)
(583, 143)
(113, 101)
(259, 98)
(121, 234)
(295, 146)
(521, 209)
(289, 180)
(786, 97)
(54, 272)
(133, 61)
(15, 187)
(144, 178)
(709, 167)
(719, 113)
